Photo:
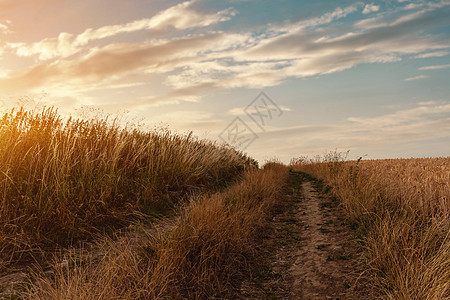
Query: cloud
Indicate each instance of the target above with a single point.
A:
(119, 59)
(433, 54)
(251, 74)
(422, 123)
(368, 8)
(207, 60)
(439, 4)
(437, 67)
(179, 17)
(431, 102)
(5, 27)
(416, 77)
(326, 18)
(310, 53)
(240, 111)
(413, 6)
(192, 119)
(403, 117)
(371, 23)
(61, 46)
(398, 38)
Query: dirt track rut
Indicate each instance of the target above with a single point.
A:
(324, 266)
(313, 252)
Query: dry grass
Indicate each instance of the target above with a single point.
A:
(198, 257)
(402, 208)
(62, 179)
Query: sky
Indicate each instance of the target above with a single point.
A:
(275, 79)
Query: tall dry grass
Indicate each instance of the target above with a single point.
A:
(402, 208)
(199, 257)
(63, 178)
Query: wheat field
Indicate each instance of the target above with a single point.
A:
(69, 181)
(401, 208)
(65, 179)
(82, 200)
(201, 255)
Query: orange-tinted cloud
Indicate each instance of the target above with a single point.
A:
(209, 60)
(179, 17)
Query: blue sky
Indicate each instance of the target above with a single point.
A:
(371, 77)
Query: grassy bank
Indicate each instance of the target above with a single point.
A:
(402, 210)
(200, 256)
(64, 179)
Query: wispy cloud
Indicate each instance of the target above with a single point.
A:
(416, 77)
(371, 23)
(3, 27)
(403, 117)
(433, 54)
(437, 67)
(193, 119)
(368, 8)
(424, 122)
(117, 59)
(413, 6)
(430, 102)
(240, 111)
(210, 59)
(179, 17)
(327, 18)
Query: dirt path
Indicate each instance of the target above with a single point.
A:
(323, 268)
(313, 253)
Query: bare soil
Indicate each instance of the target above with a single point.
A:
(310, 252)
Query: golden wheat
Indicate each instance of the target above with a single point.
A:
(198, 257)
(61, 178)
(402, 207)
